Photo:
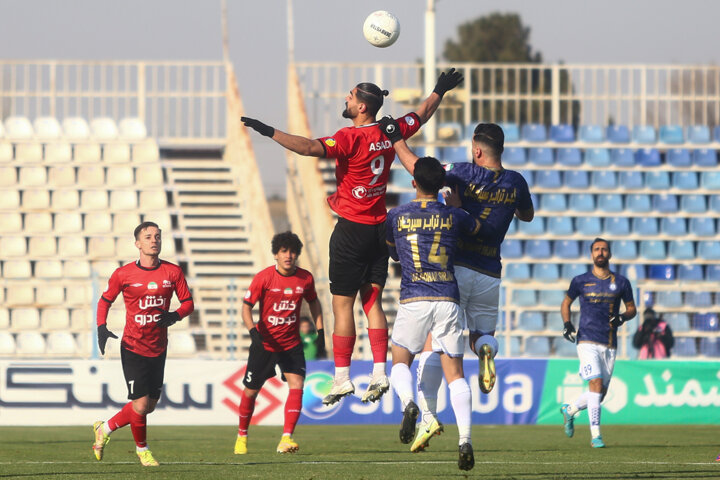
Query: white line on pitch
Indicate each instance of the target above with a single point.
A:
(379, 462)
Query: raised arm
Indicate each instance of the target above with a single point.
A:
(446, 81)
(300, 145)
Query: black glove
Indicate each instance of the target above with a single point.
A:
(167, 319)
(258, 126)
(255, 337)
(447, 81)
(616, 320)
(390, 128)
(103, 334)
(569, 332)
(320, 342)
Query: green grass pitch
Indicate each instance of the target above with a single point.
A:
(365, 452)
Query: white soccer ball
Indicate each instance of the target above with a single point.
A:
(381, 28)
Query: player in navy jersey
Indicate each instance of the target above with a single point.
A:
(422, 236)
(358, 254)
(280, 289)
(147, 286)
(601, 291)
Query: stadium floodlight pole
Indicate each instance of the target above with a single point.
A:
(430, 129)
(225, 42)
(290, 33)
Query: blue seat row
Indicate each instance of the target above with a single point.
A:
(692, 346)
(603, 157)
(625, 180)
(553, 271)
(631, 203)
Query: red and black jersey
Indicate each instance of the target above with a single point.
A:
(145, 290)
(280, 301)
(363, 156)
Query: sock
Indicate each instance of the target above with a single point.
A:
(487, 339)
(247, 407)
(580, 403)
(293, 405)
(401, 380)
(138, 425)
(379, 346)
(120, 419)
(594, 413)
(342, 374)
(342, 350)
(462, 406)
(429, 375)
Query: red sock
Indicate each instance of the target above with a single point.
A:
(343, 349)
(378, 344)
(247, 407)
(138, 425)
(121, 418)
(293, 406)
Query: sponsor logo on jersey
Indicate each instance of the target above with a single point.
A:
(287, 291)
(151, 301)
(613, 287)
(299, 289)
(330, 142)
(589, 285)
(248, 295)
(359, 192)
(409, 120)
(152, 286)
(136, 284)
(167, 284)
(284, 305)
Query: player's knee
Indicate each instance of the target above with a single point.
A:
(369, 297)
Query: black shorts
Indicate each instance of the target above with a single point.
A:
(143, 375)
(358, 256)
(261, 365)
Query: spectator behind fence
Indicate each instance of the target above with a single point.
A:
(654, 337)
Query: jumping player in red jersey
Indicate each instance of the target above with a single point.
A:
(280, 289)
(147, 286)
(358, 253)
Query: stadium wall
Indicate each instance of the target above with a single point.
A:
(529, 391)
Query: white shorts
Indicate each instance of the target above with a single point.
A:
(415, 320)
(596, 361)
(479, 298)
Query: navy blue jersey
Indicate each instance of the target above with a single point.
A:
(599, 298)
(491, 195)
(423, 236)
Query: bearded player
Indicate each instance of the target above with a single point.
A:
(358, 253)
(147, 286)
(280, 289)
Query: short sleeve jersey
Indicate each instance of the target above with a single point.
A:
(280, 300)
(145, 291)
(425, 235)
(363, 156)
(491, 195)
(599, 298)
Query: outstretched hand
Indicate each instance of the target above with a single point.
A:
(258, 126)
(390, 128)
(448, 81)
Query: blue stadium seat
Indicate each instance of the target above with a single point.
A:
(691, 272)
(536, 227)
(509, 348)
(633, 271)
(537, 346)
(548, 179)
(517, 271)
(566, 248)
(455, 154)
(511, 131)
(678, 321)
(657, 180)
(512, 248)
(529, 176)
(591, 134)
(632, 180)
(645, 226)
(706, 322)
(681, 250)
(588, 226)
(624, 250)
(514, 156)
(698, 134)
(710, 180)
(672, 134)
(714, 201)
(545, 271)
(551, 298)
(572, 270)
(644, 134)
(669, 299)
(400, 178)
(653, 249)
(705, 157)
(512, 228)
(638, 203)
(563, 348)
(693, 203)
(538, 249)
(685, 347)
(604, 180)
(610, 203)
(541, 156)
(617, 134)
(710, 347)
(560, 226)
(617, 226)
(700, 301)
(648, 157)
(568, 156)
(673, 226)
(708, 250)
(533, 321)
(577, 179)
(712, 273)
(716, 133)
(563, 133)
(703, 226)
(684, 180)
(553, 202)
(597, 157)
(665, 203)
(524, 298)
(622, 157)
(582, 202)
(534, 132)
(678, 157)
(661, 272)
